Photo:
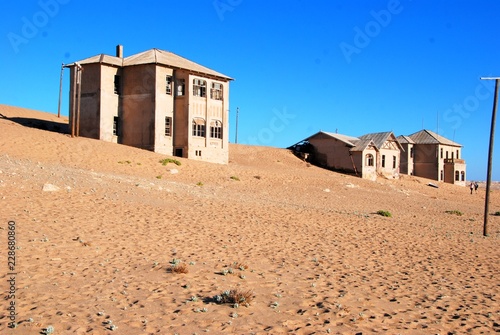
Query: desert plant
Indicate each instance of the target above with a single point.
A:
(384, 213)
(159, 176)
(165, 161)
(456, 212)
(235, 297)
(199, 183)
(497, 213)
(179, 268)
(235, 178)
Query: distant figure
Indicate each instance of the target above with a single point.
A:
(476, 186)
(471, 187)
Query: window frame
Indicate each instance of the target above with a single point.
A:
(168, 126)
(216, 129)
(198, 127)
(217, 93)
(369, 160)
(199, 88)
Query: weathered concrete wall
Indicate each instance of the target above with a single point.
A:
(388, 169)
(426, 164)
(138, 106)
(332, 153)
(406, 165)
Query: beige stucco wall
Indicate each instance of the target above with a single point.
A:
(389, 170)
(406, 164)
(369, 172)
(164, 107)
(109, 102)
(332, 153)
(138, 106)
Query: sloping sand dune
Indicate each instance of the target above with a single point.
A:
(98, 226)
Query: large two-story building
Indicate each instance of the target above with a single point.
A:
(154, 100)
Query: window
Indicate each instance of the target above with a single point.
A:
(446, 154)
(180, 86)
(197, 153)
(115, 125)
(441, 152)
(216, 129)
(216, 91)
(383, 161)
(169, 85)
(168, 126)
(199, 127)
(463, 175)
(457, 155)
(393, 162)
(117, 85)
(457, 175)
(369, 160)
(442, 175)
(199, 88)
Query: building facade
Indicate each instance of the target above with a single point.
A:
(153, 100)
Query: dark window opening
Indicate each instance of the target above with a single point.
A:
(180, 87)
(169, 85)
(168, 126)
(383, 161)
(216, 129)
(116, 121)
(216, 91)
(117, 85)
(199, 88)
(393, 162)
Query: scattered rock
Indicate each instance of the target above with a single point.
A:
(50, 188)
(327, 190)
(174, 171)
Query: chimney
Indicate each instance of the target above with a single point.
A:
(119, 51)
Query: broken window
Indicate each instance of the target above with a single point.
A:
(216, 91)
(199, 88)
(216, 129)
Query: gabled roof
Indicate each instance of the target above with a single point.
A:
(362, 144)
(157, 56)
(429, 137)
(152, 56)
(380, 138)
(405, 139)
(349, 140)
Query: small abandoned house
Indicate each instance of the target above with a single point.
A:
(367, 156)
(154, 100)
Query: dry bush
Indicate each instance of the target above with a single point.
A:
(179, 268)
(236, 296)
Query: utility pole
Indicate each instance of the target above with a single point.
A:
(236, 136)
(60, 91)
(490, 153)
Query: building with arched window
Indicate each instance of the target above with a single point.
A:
(154, 100)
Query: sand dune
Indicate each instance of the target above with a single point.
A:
(95, 249)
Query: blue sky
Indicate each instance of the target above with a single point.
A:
(350, 66)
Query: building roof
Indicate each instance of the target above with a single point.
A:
(152, 56)
(429, 137)
(405, 139)
(362, 144)
(350, 140)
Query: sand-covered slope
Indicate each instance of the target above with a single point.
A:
(98, 224)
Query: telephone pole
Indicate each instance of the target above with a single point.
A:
(490, 153)
(236, 136)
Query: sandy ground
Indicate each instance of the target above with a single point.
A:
(98, 226)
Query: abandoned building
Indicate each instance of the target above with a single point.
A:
(424, 154)
(153, 100)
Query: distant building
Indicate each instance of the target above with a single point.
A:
(436, 157)
(367, 156)
(424, 154)
(153, 100)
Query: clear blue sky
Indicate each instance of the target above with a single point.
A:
(350, 66)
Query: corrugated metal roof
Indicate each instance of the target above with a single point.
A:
(362, 144)
(429, 137)
(344, 138)
(377, 138)
(156, 56)
(405, 139)
(153, 56)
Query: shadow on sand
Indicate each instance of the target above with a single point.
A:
(57, 127)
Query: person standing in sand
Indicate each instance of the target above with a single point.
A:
(476, 186)
(471, 187)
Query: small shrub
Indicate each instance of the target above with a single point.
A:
(179, 268)
(456, 212)
(257, 177)
(165, 161)
(235, 178)
(384, 213)
(235, 297)
(199, 183)
(497, 213)
(159, 176)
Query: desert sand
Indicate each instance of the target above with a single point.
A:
(98, 227)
